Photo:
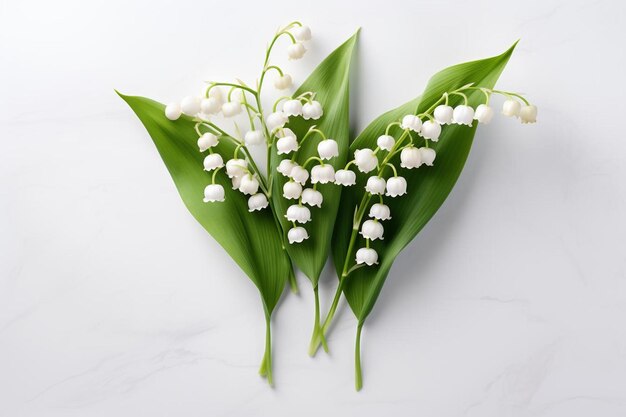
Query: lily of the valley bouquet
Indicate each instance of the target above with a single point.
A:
(323, 192)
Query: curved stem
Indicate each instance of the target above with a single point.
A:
(266, 365)
(317, 331)
(358, 374)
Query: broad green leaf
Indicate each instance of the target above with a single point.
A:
(330, 83)
(251, 239)
(428, 187)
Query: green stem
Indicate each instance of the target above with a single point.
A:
(293, 284)
(266, 365)
(317, 331)
(358, 374)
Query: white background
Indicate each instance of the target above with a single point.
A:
(114, 302)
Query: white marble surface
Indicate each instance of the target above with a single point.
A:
(114, 302)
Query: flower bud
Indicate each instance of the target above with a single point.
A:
(312, 110)
(257, 202)
(322, 174)
(297, 235)
(365, 159)
(292, 190)
(396, 186)
(375, 185)
(173, 111)
(411, 122)
(299, 174)
(206, 141)
(190, 105)
(210, 105)
(443, 114)
(511, 108)
(328, 148)
(528, 114)
(297, 213)
(276, 120)
(380, 211)
(410, 158)
(231, 108)
(483, 114)
(249, 184)
(213, 161)
(236, 167)
(254, 137)
(463, 115)
(213, 192)
(345, 177)
(431, 130)
(312, 197)
(366, 256)
(285, 167)
(301, 33)
(385, 142)
(372, 230)
(283, 82)
(292, 108)
(296, 50)
(428, 156)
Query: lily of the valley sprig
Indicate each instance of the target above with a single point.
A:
(362, 199)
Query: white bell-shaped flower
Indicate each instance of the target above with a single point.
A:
(286, 145)
(372, 230)
(385, 142)
(276, 120)
(431, 130)
(345, 177)
(297, 235)
(249, 184)
(375, 185)
(190, 105)
(328, 148)
(257, 202)
(213, 192)
(463, 115)
(173, 111)
(210, 105)
(231, 108)
(254, 137)
(296, 50)
(236, 181)
(428, 156)
(322, 174)
(396, 186)
(483, 114)
(206, 141)
(528, 114)
(298, 213)
(412, 122)
(312, 197)
(292, 108)
(301, 33)
(366, 256)
(299, 174)
(365, 159)
(292, 190)
(380, 211)
(213, 161)
(443, 114)
(285, 167)
(312, 110)
(511, 108)
(283, 82)
(236, 167)
(410, 158)
(215, 92)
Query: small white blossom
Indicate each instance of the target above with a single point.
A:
(366, 256)
(236, 167)
(173, 111)
(443, 114)
(287, 142)
(254, 137)
(276, 120)
(372, 230)
(296, 50)
(283, 82)
(483, 114)
(213, 161)
(299, 174)
(312, 110)
(236, 181)
(380, 211)
(206, 141)
(285, 167)
(511, 108)
(210, 105)
(385, 142)
(528, 114)
(463, 115)
(249, 184)
(301, 33)
(292, 190)
(312, 197)
(292, 108)
(375, 185)
(298, 213)
(231, 108)
(410, 157)
(412, 122)
(431, 130)
(328, 148)
(322, 174)
(257, 202)
(297, 235)
(428, 156)
(190, 105)
(213, 192)
(396, 186)
(365, 159)
(345, 177)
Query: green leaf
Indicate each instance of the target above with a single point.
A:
(330, 83)
(251, 239)
(428, 187)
